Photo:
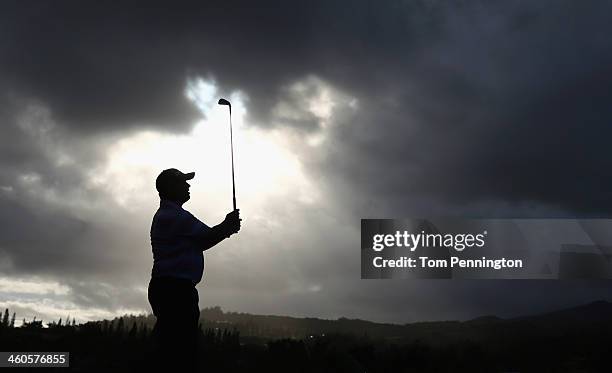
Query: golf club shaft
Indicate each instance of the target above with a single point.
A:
(232, 150)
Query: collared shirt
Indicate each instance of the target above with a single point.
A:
(176, 237)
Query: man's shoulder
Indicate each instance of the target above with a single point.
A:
(164, 213)
(174, 212)
(170, 207)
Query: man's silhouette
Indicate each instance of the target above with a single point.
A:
(178, 239)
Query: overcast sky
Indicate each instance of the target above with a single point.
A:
(343, 110)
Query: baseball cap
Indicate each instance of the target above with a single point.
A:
(170, 177)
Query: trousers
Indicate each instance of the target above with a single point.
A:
(175, 305)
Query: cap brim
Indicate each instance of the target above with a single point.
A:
(189, 175)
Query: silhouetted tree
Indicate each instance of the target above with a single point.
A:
(13, 320)
(5, 319)
(143, 331)
(120, 326)
(133, 330)
(34, 324)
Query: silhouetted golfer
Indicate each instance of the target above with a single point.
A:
(178, 239)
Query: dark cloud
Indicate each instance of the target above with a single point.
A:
(484, 97)
(54, 223)
(498, 108)
(480, 108)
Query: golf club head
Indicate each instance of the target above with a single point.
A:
(223, 101)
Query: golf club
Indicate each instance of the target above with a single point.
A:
(223, 101)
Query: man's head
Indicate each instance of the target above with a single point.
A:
(172, 185)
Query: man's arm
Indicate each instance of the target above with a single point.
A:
(219, 232)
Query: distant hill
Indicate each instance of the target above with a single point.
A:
(592, 315)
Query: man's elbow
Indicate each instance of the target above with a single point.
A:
(214, 236)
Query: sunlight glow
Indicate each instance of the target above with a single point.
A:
(264, 163)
